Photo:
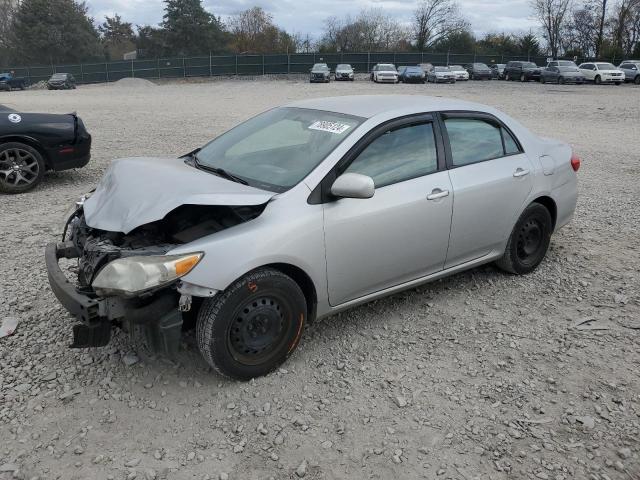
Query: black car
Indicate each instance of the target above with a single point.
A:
(411, 74)
(32, 143)
(497, 69)
(523, 71)
(61, 81)
(478, 71)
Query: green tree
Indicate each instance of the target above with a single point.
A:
(456, 42)
(55, 31)
(528, 44)
(190, 30)
(117, 37)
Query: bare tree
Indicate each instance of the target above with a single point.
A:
(253, 31)
(7, 11)
(553, 15)
(436, 19)
(603, 15)
(626, 25)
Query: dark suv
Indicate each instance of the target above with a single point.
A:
(523, 71)
(61, 81)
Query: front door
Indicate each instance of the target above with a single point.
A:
(491, 177)
(402, 232)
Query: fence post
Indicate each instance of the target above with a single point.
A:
(184, 68)
(210, 66)
(106, 71)
(236, 65)
(263, 65)
(368, 62)
(29, 75)
(158, 67)
(81, 74)
(448, 51)
(288, 64)
(133, 73)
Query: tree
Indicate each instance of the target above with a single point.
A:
(7, 12)
(528, 43)
(456, 42)
(55, 31)
(625, 24)
(253, 31)
(117, 37)
(552, 14)
(436, 19)
(190, 30)
(603, 14)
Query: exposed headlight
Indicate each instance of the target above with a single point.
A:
(131, 275)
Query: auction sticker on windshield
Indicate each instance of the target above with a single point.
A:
(331, 127)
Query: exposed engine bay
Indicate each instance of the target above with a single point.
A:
(185, 224)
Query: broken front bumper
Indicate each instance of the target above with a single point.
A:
(158, 313)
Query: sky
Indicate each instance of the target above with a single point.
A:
(307, 16)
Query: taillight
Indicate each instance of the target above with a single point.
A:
(575, 162)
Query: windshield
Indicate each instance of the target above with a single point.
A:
(320, 66)
(456, 68)
(386, 68)
(480, 66)
(529, 65)
(568, 69)
(59, 76)
(565, 63)
(606, 66)
(343, 67)
(414, 69)
(277, 149)
(441, 69)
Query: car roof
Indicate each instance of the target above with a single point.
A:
(369, 106)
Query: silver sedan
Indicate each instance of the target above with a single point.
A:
(304, 211)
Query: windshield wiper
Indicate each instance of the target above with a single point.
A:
(221, 172)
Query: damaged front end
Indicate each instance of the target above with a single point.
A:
(131, 280)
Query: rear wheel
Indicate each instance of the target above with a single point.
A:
(529, 241)
(561, 80)
(21, 167)
(597, 80)
(542, 80)
(252, 327)
(637, 80)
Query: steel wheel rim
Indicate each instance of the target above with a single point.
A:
(259, 330)
(18, 167)
(530, 240)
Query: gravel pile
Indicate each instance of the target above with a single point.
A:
(478, 376)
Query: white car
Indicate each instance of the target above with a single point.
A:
(460, 72)
(385, 73)
(601, 72)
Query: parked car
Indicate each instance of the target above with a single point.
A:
(478, 71)
(10, 82)
(320, 73)
(523, 71)
(32, 143)
(602, 72)
(411, 74)
(631, 70)
(426, 67)
(344, 71)
(497, 70)
(331, 188)
(562, 75)
(460, 73)
(384, 73)
(61, 81)
(441, 75)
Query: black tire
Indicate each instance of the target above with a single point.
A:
(529, 241)
(25, 164)
(636, 80)
(253, 326)
(597, 80)
(561, 81)
(542, 80)
(618, 83)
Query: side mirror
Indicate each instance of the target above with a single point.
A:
(353, 185)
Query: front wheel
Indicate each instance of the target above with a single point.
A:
(529, 241)
(597, 80)
(636, 80)
(21, 167)
(253, 326)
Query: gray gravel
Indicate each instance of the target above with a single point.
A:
(478, 376)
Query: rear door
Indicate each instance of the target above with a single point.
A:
(491, 178)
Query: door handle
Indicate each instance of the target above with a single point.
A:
(437, 193)
(520, 173)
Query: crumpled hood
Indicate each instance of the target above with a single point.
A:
(137, 191)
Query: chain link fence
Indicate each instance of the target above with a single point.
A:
(230, 65)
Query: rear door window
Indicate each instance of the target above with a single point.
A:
(474, 140)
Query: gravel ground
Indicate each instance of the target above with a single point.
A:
(479, 376)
